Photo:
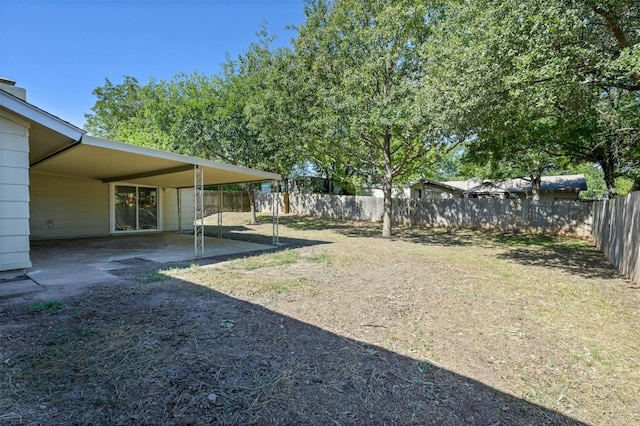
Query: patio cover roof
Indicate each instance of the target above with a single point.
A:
(59, 148)
(111, 161)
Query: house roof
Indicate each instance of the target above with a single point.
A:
(463, 184)
(571, 183)
(564, 183)
(59, 148)
(39, 118)
(445, 186)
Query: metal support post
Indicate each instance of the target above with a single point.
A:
(220, 210)
(198, 222)
(274, 210)
(179, 199)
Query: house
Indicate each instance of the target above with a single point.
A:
(58, 182)
(314, 185)
(552, 188)
(565, 187)
(424, 189)
(449, 189)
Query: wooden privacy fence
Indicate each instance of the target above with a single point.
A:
(232, 201)
(553, 217)
(616, 231)
(613, 224)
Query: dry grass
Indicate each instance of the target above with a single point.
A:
(342, 327)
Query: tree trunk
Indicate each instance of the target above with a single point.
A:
(252, 203)
(536, 181)
(387, 186)
(387, 210)
(608, 167)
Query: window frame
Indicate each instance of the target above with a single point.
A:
(112, 209)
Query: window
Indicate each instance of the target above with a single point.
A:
(135, 208)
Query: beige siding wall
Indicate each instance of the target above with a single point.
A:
(170, 209)
(68, 207)
(14, 195)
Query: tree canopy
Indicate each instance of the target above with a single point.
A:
(384, 92)
(220, 117)
(358, 74)
(550, 81)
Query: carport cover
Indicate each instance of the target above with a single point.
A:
(110, 161)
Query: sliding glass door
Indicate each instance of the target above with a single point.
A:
(135, 208)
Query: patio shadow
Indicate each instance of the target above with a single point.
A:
(174, 352)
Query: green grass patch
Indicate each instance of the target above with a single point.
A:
(283, 286)
(268, 260)
(326, 258)
(331, 258)
(152, 277)
(49, 305)
(237, 281)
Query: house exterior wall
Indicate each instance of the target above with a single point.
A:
(14, 195)
(68, 207)
(419, 191)
(378, 193)
(170, 209)
(65, 207)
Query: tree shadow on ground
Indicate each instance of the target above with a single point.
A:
(371, 229)
(438, 236)
(307, 223)
(168, 351)
(571, 255)
(244, 233)
(588, 263)
(568, 254)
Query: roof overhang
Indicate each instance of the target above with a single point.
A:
(57, 147)
(38, 117)
(111, 161)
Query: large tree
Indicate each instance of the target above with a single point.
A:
(217, 117)
(530, 78)
(127, 111)
(358, 81)
(174, 115)
(251, 130)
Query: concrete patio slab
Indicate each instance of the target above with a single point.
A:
(83, 275)
(18, 288)
(67, 266)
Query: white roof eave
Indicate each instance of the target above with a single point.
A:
(35, 114)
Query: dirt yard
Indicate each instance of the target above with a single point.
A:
(339, 327)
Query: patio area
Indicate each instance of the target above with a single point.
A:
(65, 266)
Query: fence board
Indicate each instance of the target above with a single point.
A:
(232, 201)
(556, 217)
(616, 231)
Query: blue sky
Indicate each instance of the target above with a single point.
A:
(60, 50)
